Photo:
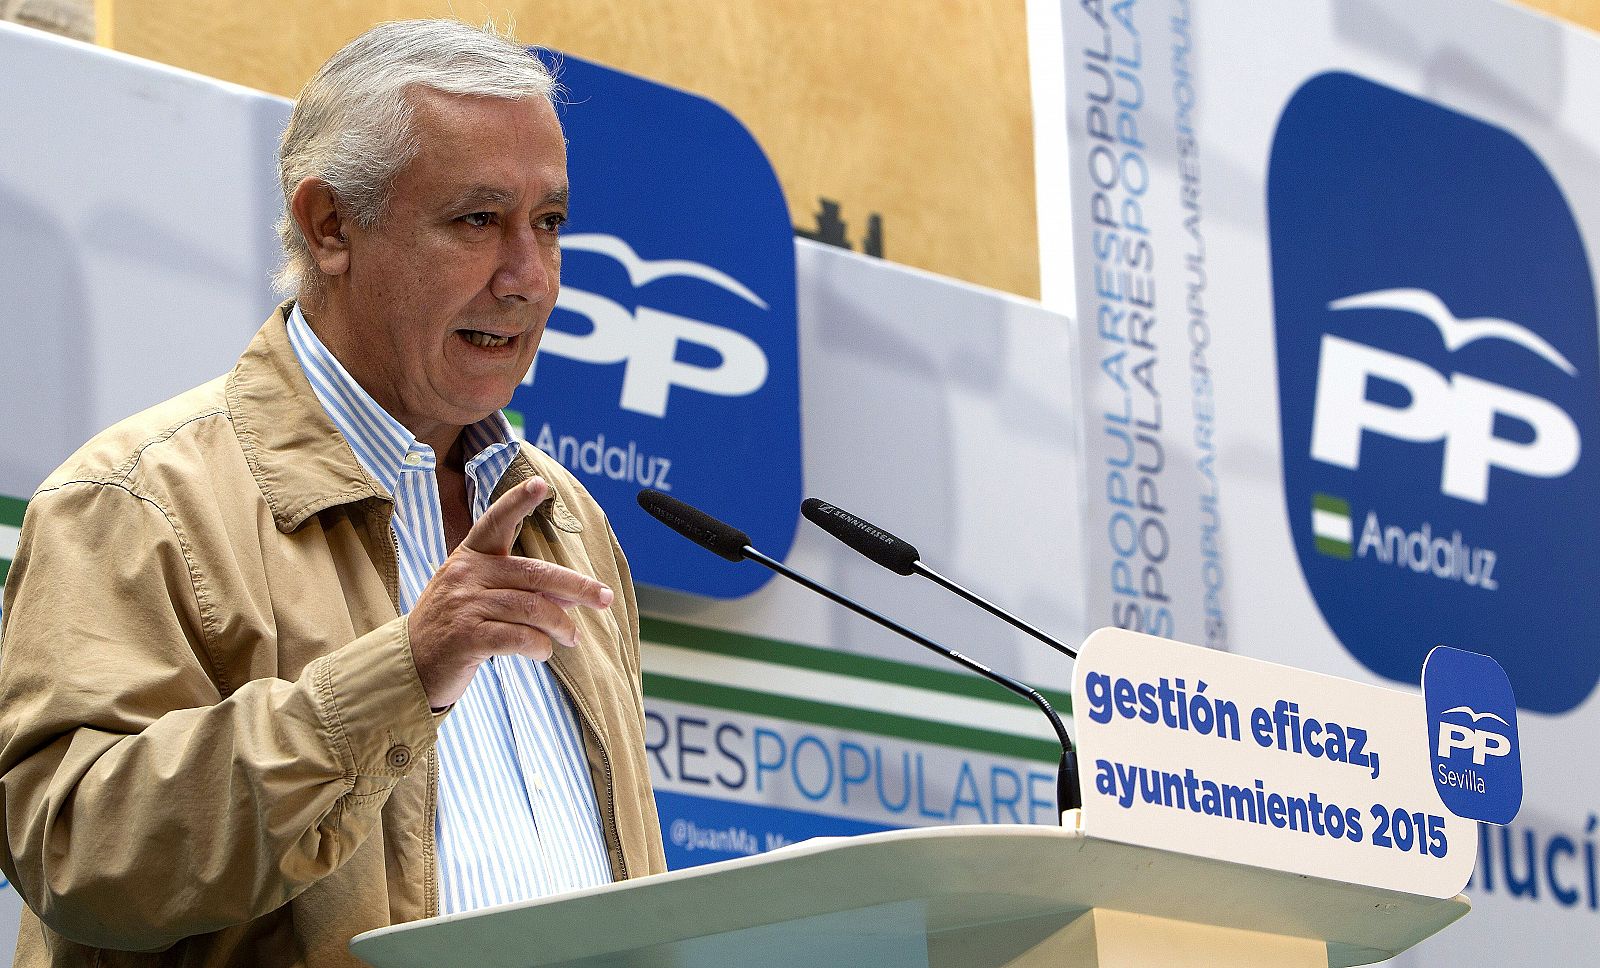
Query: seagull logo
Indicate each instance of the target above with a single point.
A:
(642, 271)
(1456, 333)
(1474, 715)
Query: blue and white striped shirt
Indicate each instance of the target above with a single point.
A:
(517, 813)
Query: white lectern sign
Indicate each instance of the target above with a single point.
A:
(1218, 755)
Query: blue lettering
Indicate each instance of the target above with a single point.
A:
(731, 756)
(1148, 708)
(922, 797)
(685, 750)
(848, 776)
(653, 745)
(1098, 686)
(807, 742)
(966, 782)
(905, 774)
(1008, 799)
(1047, 802)
(765, 765)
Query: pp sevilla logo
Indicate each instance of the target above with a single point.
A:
(1472, 735)
(1438, 379)
(671, 360)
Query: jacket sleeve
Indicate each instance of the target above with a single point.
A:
(140, 805)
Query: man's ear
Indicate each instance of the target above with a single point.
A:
(322, 225)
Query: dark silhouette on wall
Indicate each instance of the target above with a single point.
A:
(833, 230)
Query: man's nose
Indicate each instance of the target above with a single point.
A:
(529, 268)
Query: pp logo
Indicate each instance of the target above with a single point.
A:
(1483, 743)
(1439, 376)
(647, 341)
(1457, 409)
(1472, 720)
(671, 360)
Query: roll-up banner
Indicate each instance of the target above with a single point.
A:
(1335, 295)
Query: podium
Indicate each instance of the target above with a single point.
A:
(939, 897)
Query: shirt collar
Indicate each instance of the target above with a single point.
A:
(382, 444)
(300, 461)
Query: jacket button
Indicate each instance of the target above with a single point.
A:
(399, 757)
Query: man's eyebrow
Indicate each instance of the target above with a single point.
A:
(487, 196)
(481, 195)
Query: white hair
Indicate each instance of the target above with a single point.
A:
(352, 126)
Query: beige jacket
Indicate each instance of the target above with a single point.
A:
(214, 747)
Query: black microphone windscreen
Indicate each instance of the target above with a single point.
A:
(865, 538)
(704, 530)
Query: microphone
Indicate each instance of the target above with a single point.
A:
(902, 558)
(729, 542)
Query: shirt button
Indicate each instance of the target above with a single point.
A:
(538, 782)
(399, 757)
(413, 459)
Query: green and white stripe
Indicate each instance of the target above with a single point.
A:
(519, 423)
(741, 673)
(11, 509)
(1330, 524)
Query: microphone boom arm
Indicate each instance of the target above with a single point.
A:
(993, 609)
(1068, 795)
(734, 545)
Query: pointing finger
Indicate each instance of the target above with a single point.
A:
(562, 586)
(496, 531)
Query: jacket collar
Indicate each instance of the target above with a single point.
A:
(297, 456)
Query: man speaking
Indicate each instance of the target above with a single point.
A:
(319, 647)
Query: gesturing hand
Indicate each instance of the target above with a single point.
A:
(483, 601)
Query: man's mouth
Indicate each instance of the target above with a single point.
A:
(480, 338)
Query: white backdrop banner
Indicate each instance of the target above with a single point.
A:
(1335, 284)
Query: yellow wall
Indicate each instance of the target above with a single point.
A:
(1585, 12)
(914, 109)
(917, 110)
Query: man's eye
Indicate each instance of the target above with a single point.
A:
(552, 222)
(479, 220)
